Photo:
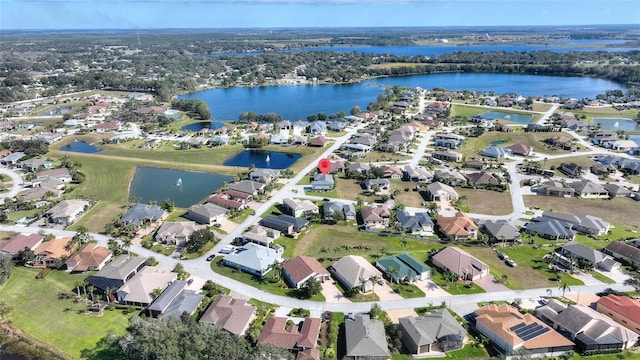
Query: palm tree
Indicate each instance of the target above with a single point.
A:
(78, 284)
(126, 244)
(276, 267)
(549, 292)
(404, 245)
(373, 279)
(156, 293)
(108, 293)
(91, 289)
(363, 282)
(564, 287)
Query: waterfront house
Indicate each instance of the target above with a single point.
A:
(206, 213)
(140, 214)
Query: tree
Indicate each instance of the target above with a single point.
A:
(632, 281)
(355, 110)
(375, 311)
(549, 292)
(311, 287)
(6, 266)
(179, 269)
(126, 244)
(564, 287)
(198, 239)
(26, 256)
(277, 269)
(168, 205)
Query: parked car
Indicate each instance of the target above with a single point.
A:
(510, 262)
(210, 257)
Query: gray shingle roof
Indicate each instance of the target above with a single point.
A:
(366, 337)
(427, 329)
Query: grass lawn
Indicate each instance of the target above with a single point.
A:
(598, 276)
(17, 215)
(375, 156)
(178, 215)
(350, 189)
(606, 111)
(99, 216)
(407, 195)
(473, 146)
(238, 218)
(620, 211)
(468, 111)
(267, 283)
(469, 352)
(487, 202)
(541, 107)
(455, 288)
(408, 291)
(46, 309)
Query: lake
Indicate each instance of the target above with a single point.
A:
(155, 184)
(296, 102)
(263, 159)
(81, 147)
(511, 117)
(615, 124)
(55, 111)
(197, 126)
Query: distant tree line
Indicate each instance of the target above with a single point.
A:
(31, 148)
(196, 108)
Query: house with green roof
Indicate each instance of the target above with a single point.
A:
(403, 268)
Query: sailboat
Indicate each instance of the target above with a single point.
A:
(179, 183)
(616, 124)
(268, 158)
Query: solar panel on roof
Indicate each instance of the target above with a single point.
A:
(516, 327)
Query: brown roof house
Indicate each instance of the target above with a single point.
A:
(301, 268)
(624, 251)
(52, 253)
(375, 218)
(623, 309)
(457, 227)
(91, 257)
(293, 337)
(511, 332)
(231, 314)
(459, 262)
(19, 242)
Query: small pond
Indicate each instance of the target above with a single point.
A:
(263, 159)
(498, 142)
(55, 111)
(615, 124)
(197, 126)
(184, 188)
(81, 147)
(511, 117)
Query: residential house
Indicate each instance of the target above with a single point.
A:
(554, 188)
(455, 260)
(116, 273)
(437, 331)
(415, 223)
(496, 152)
(359, 168)
(511, 332)
(450, 177)
(355, 272)
(277, 331)
(592, 332)
(318, 141)
(335, 210)
(91, 257)
(438, 191)
(67, 211)
(477, 164)
(391, 172)
(206, 213)
(286, 224)
(301, 268)
(52, 253)
(586, 224)
(279, 139)
(364, 139)
(61, 174)
(482, 178)
(450, 141)
(616, 190)
(140, 214)
(316, 128)
(231, 314)
(174, 301)
(521, 149)
(176, 232)
(549, 229)
(572, 169)
(260, 235)
(622, 309)
(622, 145)
(20, 242)
(227, 201)
(12, 159)
(300, 208)
(36, 164)
(248, 187)
(322, 182)
(376, 217)
(499, 231)
(107, 126)
(264, 175)
(574, 253)
(624, 251)
(449, 156)
(253, 259)
(377, 186)
(366, 339)
(457, 227)
(403, 268)
(417, 174)
(140, 289)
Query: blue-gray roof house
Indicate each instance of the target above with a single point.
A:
(338, 210)
(139, 214)
(174, 301)
(253, 259)
(415, 223)
(496, 152)
(286, 224)
(317, 128)
(550, 229)
(322, 182)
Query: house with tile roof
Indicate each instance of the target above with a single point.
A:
(232, 314)
(457, 227)
(19, 242)
(139, 290)
(455, 260)
(555, 188)
(624, 251)
(592, 332)
(52, 253)
(91, 257)
(248, 187)
(174, 301)
(482, 178)
(294, 337)
(228, 201)
(437, 331)
(176, 232)
(622, 309)
(403, 268)
(511, 332)
(253, 259)
(521, 149)
(376, 217)
(355, 272)
(264, 175)
(366, 339)
(301, 268)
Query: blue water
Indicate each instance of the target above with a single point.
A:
(635, 138)
(155, 184)
(80, 147)
(56, 111)
(277, 160)
(610, 124)
(511, 117)
(296, 102)
(498, 142)
(197, 126)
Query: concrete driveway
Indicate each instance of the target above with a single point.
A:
(385, 292)
(616, 275)
(489, 284)
(332, 294)
(587, 279)
(430, 288)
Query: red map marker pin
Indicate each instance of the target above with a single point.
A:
(324, 165)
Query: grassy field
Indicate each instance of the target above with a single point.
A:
(375, 156)
(408, 291)
(606, 111)
(487, 202)
(620, 211)
(407, 195)
(350, 189)
(46, 309)
(99, 216)
(454, 288)
(473, 146)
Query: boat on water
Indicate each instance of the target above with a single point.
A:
(268, 158)
(179, 183)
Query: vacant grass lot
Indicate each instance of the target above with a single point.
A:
(620, 211)
(606, 111)
(46, 309)
(473, 146)
(487, 202)
(99, 216)
(350, 189)
(375, 156)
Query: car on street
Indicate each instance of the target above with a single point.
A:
(210, 257)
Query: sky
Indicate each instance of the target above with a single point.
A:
(150, 14)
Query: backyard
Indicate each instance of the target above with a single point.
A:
(487, 202)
